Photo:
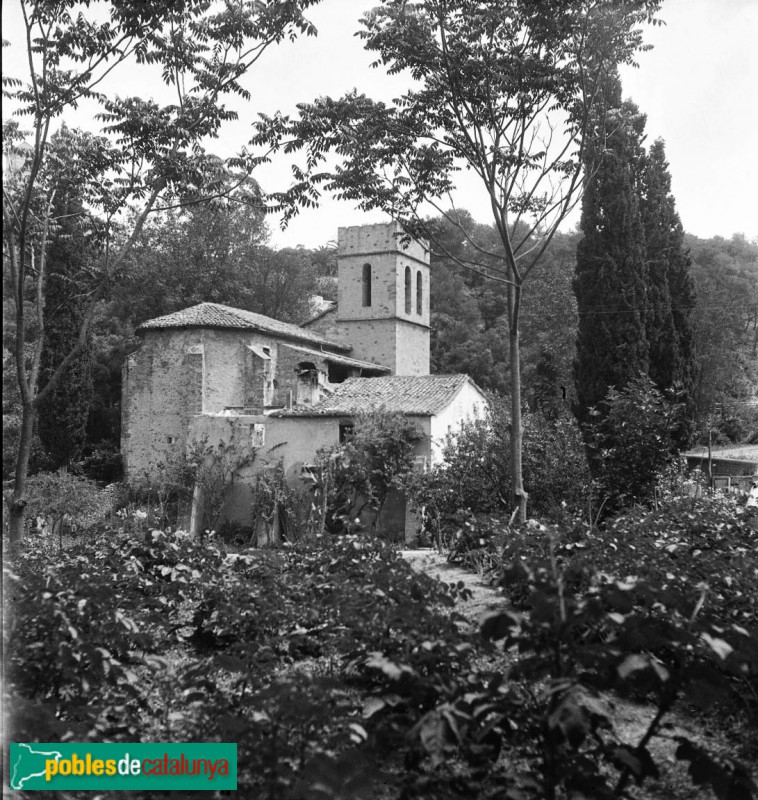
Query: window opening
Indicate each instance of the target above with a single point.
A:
(337, 373)
(257, 434)
(419, 294)
(366, 285)
(407, 290)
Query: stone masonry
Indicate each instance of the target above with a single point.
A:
(394, 328)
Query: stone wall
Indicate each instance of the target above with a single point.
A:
(291, 442)
(175, 375)
(295, 442)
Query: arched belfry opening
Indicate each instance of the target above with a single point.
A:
(366, 286)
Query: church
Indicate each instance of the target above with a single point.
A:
(214, 373)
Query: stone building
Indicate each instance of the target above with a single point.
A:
(212, 373)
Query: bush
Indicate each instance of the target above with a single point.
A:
(474, 477)
(104, 463)
(81, 624)
(66, 501)
(341, 673)
(358, 476)
(633, 437)
(275, 510)
(658, 607)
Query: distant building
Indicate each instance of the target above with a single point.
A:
(215, 372)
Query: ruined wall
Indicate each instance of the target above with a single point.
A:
(173, 376)
(291, 384)
(293, 442)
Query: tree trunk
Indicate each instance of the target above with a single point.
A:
(197, 512)
(517, 478)
(17, 500)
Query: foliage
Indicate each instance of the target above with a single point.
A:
(102, 463)
(213, 469)
(285, 645)
(632, 438)
(469, 317)
(611, 274)
(630, 634)
(275, 507)
(655, 608)
(59, 496)
(72, 254)
(216, 253)
(150, 157)
(671, 291)
(82, 623)
(341, 673)
(354, 607)
(474, 475)
(507, 91)
(359, 474)
(725, 324)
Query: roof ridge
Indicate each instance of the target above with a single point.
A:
(412, 395)
(219, 315)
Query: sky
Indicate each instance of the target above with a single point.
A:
(698, 87)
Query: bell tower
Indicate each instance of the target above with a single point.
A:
(383, 296)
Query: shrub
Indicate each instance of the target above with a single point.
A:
(213, 469)
(104, 463)
(82, 623)
(474, 476)
(65, 501)
(275, 509)
(658, 607)
(632, 439)
(556, 470)
(359, 475)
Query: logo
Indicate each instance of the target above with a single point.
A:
(160, 766)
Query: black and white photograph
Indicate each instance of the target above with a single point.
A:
(380, 399)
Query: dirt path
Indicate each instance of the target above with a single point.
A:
(483, 597)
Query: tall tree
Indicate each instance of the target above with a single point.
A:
(72, 254)
(154, 157)
(671, 290)
(611, 277)
(505, 89)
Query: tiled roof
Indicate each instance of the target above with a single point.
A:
(335, 358)
(415, 395)
(214, 315)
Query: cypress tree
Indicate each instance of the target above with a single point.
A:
(610, 280)
(63, 414)
(671, 292)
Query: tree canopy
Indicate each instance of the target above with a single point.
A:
(150, 157)
(506, 90)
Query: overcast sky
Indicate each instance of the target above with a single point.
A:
(698, 87)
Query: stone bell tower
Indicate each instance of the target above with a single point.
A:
(383, 297)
